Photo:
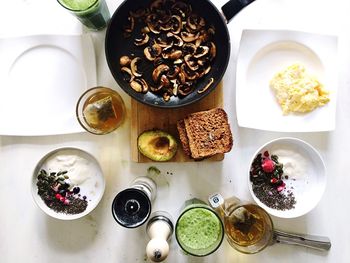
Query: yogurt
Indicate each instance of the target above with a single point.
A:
(83, 172)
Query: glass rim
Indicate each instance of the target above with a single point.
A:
(221, 224)
(79, 101)
(77, 10)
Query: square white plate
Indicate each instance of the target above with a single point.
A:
(262, 53)
(41, 79)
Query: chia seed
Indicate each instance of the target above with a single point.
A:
(265, 184)
(49, 187)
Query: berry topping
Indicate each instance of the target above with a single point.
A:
(274, 180)
(268, 166)
(76, 190)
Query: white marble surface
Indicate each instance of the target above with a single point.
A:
(28, 235)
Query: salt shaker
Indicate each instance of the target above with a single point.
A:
(159, 229)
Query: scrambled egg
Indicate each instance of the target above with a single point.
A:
(297, 91)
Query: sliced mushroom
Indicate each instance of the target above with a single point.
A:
(177, 41)
(124, 61)
(189, 48)
(144, 85)
(176, 24)
(158, 61)
(139, 85)
(141, 41)
(175, 86)
(173, 72)
(145, 30)
(135, 85)
(189, 75)
(157, 4)
(129, 28)
(201, 51)
(128, 76)
(164, 81)
(212, 50)
(159, 70)
(182, 77)
(185, 89)
(164, 41)
(151, 21)
(171, 53)
(152, 52)
(195, 22)
(192, 64)
(210, 82)
(178, 61)
(203, 61)
(181, 9)
(166, 96)
(134, 67)
(138, 13)
(189, 37)
(204, 71)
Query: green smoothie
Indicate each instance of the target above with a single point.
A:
(80, 5)
(199, 231)
(92, 13)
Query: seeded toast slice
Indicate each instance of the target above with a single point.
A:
(208, 133)
(183, 137)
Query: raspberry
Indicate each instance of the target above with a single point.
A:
(268, 166)
(58, 196)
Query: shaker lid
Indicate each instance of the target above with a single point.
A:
(131, 208)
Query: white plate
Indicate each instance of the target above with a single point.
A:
(308, 186)
(41, 79)
(92, 186)
(262, 53)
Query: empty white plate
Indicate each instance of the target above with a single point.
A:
(41, 79)
(262, 54)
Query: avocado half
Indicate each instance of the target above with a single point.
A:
(157, 145)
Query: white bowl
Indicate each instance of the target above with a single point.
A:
(92, 183)
(307, 183)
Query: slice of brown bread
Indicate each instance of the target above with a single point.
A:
(183, 137)
(208, 133)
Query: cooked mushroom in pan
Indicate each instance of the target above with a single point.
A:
(177, 44)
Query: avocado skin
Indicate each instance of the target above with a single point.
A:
(157, 145)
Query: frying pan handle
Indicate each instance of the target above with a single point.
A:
(232, 8)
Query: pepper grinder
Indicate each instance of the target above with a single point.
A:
(159, 229)
(132, 206)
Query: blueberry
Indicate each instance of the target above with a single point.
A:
(76, 190)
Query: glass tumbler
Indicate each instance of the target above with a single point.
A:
(100, 110)
(94, 14)
(198, 230)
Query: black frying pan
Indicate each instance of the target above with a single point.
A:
(116, 45)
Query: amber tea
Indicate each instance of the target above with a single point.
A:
(246, 225)
(101, 111)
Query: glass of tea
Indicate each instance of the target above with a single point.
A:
(248, 227)
(100, 110)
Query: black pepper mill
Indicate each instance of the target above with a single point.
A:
(132, 207)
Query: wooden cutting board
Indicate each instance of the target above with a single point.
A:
(145, 118)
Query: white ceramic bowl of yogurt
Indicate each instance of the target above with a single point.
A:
(304, 177)
(83, 174)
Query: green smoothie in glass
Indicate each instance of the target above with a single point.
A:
(199, 230)
(94, 14)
